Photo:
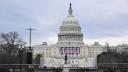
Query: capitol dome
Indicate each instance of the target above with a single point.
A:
(70, 30)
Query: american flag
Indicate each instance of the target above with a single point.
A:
(77, 50)
(69, 50)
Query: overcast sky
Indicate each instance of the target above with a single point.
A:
(101, 20)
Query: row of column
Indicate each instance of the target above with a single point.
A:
(70, 37)
(70, 29)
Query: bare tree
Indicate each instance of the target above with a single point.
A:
(10, 42)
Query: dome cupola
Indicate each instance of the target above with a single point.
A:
(70, 19)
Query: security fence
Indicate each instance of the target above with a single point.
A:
(41, 68)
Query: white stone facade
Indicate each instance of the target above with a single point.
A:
(70, 43)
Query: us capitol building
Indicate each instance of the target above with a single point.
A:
(70, 43)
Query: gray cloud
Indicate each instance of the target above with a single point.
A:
(98, 18)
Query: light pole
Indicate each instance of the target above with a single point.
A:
(29, 53)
